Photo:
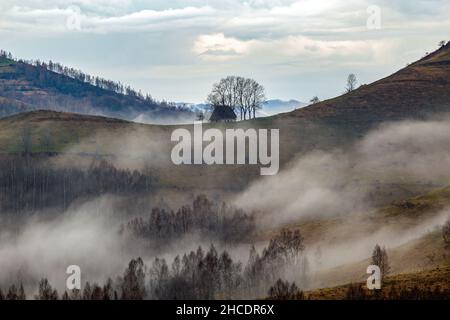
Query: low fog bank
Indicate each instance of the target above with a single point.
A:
(360, 248)
(86, 236)
(92, 236)
(182, 118)
(336, 189)
(137, 148)
(337, 182)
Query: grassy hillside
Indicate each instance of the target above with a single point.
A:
(398, 215)
(415, 92)
(420, 247)
(428, 279)
(418, 91)
(426, 253)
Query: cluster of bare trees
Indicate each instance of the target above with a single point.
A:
(241, 94)
(283, 255)
(212, 275)
(13, 293)
(217, 222)
(283, 290)
(30, 185)
(196, 274)
(130, 286)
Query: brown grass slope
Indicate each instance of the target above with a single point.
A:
(427, 279)
(425, 251)
(415, 92)
(399, 215)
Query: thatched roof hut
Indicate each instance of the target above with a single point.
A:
(223, 113)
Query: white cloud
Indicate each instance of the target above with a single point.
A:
(54, 19)
(262, 18)
(219, 47)
(146, 18)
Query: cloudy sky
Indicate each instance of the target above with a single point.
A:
(177, 49)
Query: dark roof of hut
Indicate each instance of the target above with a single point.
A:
(223, 113)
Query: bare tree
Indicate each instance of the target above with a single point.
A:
(87, 291)
(314, 100)
(21, 293)
(290, 244)
(257, 97)
(25, 140)
(46, 292)
(351, 82)
(14, 293)
(380, 259)
(223, 93)
(159, 278)
(47, 140)
(133, 286)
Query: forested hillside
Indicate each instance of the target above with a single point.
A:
(36, 85)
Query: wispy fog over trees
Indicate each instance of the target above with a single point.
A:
(208, 219)
(380, 259)
(285, 251)
(30, 185)
(198, 274)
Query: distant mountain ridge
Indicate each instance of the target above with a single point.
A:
(275, 106)
(271, 107)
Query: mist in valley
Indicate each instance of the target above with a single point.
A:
(102, 232)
